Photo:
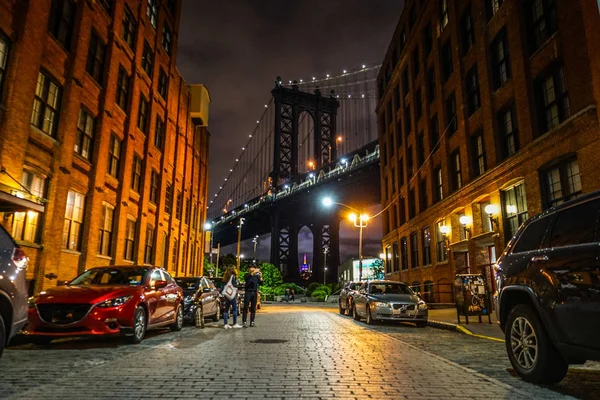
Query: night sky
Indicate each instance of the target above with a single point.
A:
(237, 49)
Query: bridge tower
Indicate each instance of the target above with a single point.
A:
(290, 103)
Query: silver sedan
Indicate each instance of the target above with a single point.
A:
(389, 300)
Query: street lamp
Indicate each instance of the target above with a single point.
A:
(324, 275)
(325, 251)
(207, 228)
(360, 221)
(239, 243)
(255, 241)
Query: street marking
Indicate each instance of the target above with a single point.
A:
(468, 332)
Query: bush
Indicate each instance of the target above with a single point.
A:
(334, 287)
(319, 295)
(312, 287)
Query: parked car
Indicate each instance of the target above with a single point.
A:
(347, 297)
(389, 300)
(200, 300)
(548, 299)
(121, 300)
(13, 288)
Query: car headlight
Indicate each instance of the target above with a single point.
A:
(422, 305)
(380, 304)
(116, 302)
(31, 302)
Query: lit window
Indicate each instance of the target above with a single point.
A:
(149, 247)
(129, 240)
(106, 228)
(73, 221)
(152, 12)
(562, 182)
(45, 104)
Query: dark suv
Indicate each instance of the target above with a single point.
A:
(13, 288)
(549, 291)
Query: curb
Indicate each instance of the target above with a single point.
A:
(460, 329)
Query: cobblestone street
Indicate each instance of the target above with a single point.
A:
(295, 351)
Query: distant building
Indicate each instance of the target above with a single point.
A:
(488, 114)
(349, 270)
(103, 146)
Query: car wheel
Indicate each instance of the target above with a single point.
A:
(529, 348)
(217, 315)
(40, 340)
(139, 326)
(354, 313)
(199, 317)
(2, 334)
(175, 327)
(421, 324)
(370, 320)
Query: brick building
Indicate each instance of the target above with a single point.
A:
(488, 114)
(103, 146)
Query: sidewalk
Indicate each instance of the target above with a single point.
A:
(446, 319)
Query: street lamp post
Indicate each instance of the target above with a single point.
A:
(255, 241)
(207, 228)
(325, 251)
(239, 243)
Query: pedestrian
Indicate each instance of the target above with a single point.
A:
(287, 295)
(253, 279)
(230, 273)
(293, 294)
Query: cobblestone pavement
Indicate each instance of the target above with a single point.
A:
(295, 352)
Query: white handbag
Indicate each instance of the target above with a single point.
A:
(230, 291)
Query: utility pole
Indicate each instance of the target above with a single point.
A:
(255, 241)
(325, 250)
(239, 243)
(218, 254)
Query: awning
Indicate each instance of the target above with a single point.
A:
(12, 203)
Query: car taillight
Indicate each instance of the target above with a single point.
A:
(19, 258)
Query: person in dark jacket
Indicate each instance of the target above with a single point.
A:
(253, 280)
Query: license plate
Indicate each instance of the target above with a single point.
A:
(399, 311)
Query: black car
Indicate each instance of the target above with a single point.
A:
(548, 281)
(200, 300)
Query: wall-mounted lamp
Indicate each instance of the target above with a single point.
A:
(491, 210)
(445, 230)
(465, 222)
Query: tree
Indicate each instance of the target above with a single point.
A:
(271, 275)
(377, 268)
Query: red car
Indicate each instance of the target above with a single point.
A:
(124, 300)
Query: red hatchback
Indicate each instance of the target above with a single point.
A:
(107, 301)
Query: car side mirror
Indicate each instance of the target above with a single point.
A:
(206, 290)
(160, 284)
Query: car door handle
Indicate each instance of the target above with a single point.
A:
(539, 258)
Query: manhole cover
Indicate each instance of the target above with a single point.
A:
(268, 341)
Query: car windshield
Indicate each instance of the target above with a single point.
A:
(111, 276)
(389, 288)
(188, 283)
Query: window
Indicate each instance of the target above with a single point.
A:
(175, 254)
(95, 58)
(136, 173)
(388, 259)
(184, 256)
(187, 211)
(438, 190)
(405, 82)
(443, 14)
(194, 217)
(532, 236)
(434, 133)
(114, 156)
(402, 211)
(396, 99)
(451, 122)
(149, 245)
(129, 27)
(159, 134)
(409, 162)
(423, 194)
(447, 67)
(418, 104)
(411, 203)
(407, 121)
(401, 172)
(472, 83)
(166, 38)
(395, 257)
(574, 225)
(163, 84)
(26, 225)
(152, 12)
(154, 187)
(106, 227)
(73, 221)
(426, 244)
(486, 223)
(389, 113)
(541, 15)
(514, 209)
(467, 30)
(169, 199)
(500, 59)
(148, 59)
(129, 240)
(552, 98)
(427, 40)
(492, 7)
(62, 17)
(414, 247)
(456, 170)
(143, 114)
(478, 154)
(442, 252)
(393, 179)
(398, 134)
(85, 134)
(45, 104)
(415, 62)
(561, 182)
(404, 253)
(509, 143)
(122, 89)
(108, 6)
(431, 84)
(4, 51)
(421, 149)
